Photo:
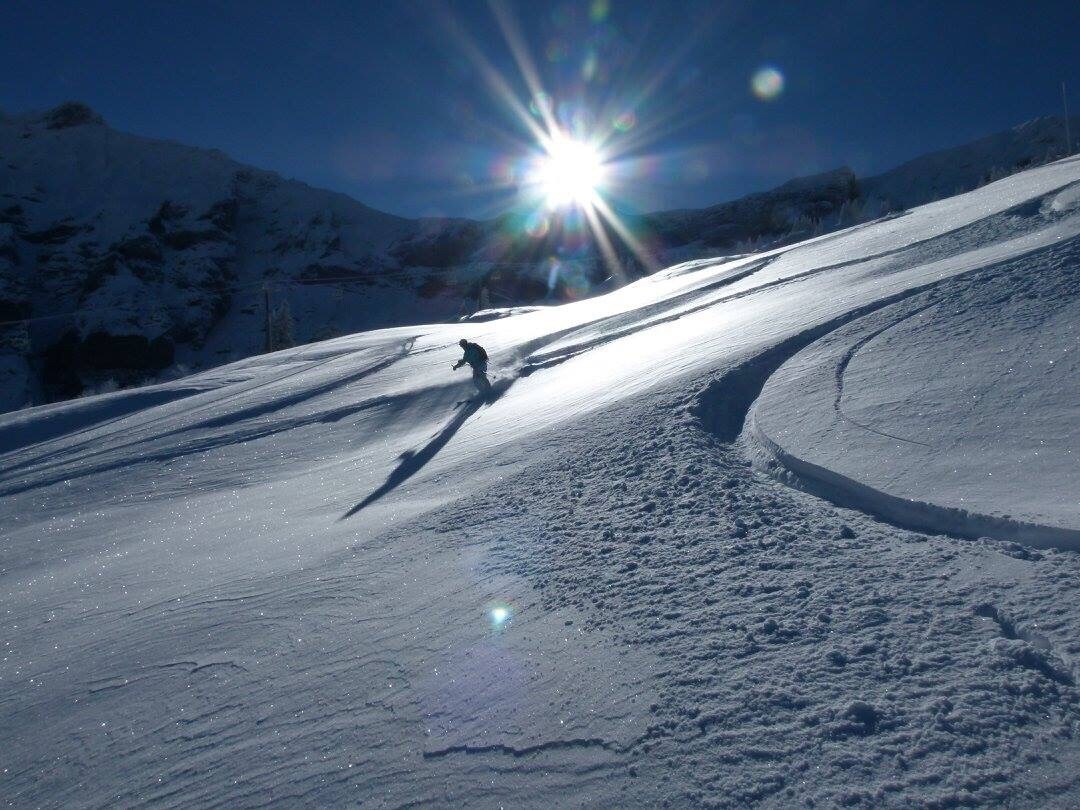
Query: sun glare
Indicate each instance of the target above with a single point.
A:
(565, 183)
(570, 173)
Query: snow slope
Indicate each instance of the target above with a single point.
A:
(329, 575)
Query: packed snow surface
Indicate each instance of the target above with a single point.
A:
(334, 575)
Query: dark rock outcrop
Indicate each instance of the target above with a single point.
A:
(54, 235)
(71, 114)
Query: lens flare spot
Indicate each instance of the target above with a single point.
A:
(598, 10)
(554, 269)
(537, 225)
(540, 104)
(569, 280)
(588, 67)
(767, 83)
(499, 615)
(625, 121)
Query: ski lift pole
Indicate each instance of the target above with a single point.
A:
(269, 332)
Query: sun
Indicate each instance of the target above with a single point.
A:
(569, 173)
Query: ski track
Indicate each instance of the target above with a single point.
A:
(180, 449)
(845, 361)
(860, 330)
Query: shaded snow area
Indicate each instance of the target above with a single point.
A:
(630, 575)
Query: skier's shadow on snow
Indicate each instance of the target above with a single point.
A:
(412, 461)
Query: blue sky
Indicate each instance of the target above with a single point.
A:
(387, 101)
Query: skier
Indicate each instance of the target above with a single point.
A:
(476, 357)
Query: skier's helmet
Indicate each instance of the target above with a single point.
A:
(463, 343)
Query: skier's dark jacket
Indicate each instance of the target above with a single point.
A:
(475, 356)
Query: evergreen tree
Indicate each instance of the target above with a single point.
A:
(281, 328)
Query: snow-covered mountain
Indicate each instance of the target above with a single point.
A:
(792, 529)
(797, 209)
(809, 206)
(952, 171)
(140, 254)
(124, 258)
